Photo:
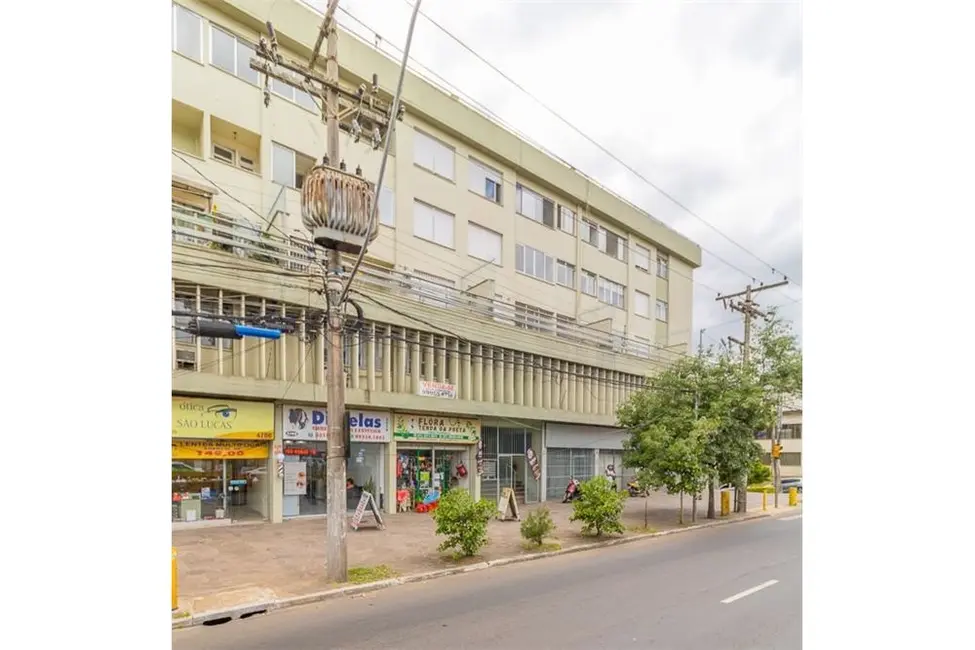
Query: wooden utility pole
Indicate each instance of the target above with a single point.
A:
(748, 308)
(360, 113)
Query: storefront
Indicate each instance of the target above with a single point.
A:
(506, 462)
(220, 460)
(581, 452)
(305, 434)
(434, 454)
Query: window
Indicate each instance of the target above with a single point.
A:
(612, 244)
(662, 266)
(182, 323)
(232, 55)
(791, 458)
(534, 263)
(187, 33)
(433, 225)
(611, 293)
(387, 207)
(534, 206)
(791, 432)
(662, 310)
(483, 244)
(433, 155)
(288, 167)
(567, 220)
(293, 94)
(589, 232)
(224, 154)
(486, 182)
(565, 274)
(587, 283)
(641, 304)
(641, 257)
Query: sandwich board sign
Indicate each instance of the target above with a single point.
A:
(508, 504)
(367, 501)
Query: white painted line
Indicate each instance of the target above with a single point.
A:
(792, 518)
(749, 592)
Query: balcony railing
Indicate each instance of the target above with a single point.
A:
(297, 254)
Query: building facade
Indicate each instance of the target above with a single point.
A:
(791, 437)
(509, 303)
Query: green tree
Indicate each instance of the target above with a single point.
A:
(737, 411)
(759, 473)
(777, 360)
(673, 460)
(708, 407)
(537, 525)
(463, 521)
(599, 507)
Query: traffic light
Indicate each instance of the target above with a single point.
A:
(776, 450)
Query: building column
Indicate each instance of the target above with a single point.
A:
(487, 354)
(390, 487)
(477, 353)
(465, 371)
(371, 357)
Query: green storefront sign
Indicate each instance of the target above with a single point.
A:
(435, 428)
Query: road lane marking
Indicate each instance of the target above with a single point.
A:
(792, 518)
(748, 592)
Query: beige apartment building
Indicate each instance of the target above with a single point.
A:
(791, 438)
(509, 303)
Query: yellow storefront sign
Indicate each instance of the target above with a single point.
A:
(219, 449)
(200, 417)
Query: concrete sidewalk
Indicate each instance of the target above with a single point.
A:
(225, 567)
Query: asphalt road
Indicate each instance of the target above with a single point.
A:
(665, 593)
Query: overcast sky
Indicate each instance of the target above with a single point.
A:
(702, 97)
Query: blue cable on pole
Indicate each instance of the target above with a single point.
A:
(257, 332)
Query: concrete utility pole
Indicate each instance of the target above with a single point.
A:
(339, 210)
(748, 308)
(336, 556)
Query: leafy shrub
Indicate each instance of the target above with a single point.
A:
(767, 489)
(463, 521)
(599, 507)
(759, 474)
(537, 525)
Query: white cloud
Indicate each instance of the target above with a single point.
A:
(703, 98)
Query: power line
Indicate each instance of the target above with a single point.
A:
(484, 109)
(602, 148)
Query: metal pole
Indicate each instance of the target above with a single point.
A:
(776, 467)
(336, 557)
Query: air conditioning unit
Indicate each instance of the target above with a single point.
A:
(186, 359)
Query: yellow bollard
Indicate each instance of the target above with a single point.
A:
(764, 500)
(725, 503)
(793, 497)
(175, 590)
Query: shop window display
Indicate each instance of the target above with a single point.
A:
(205, 490)
(365, 468)
(312, 455)
(423, 476)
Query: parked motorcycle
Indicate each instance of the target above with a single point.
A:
(572, 491)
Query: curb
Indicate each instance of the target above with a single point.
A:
(265, 607)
